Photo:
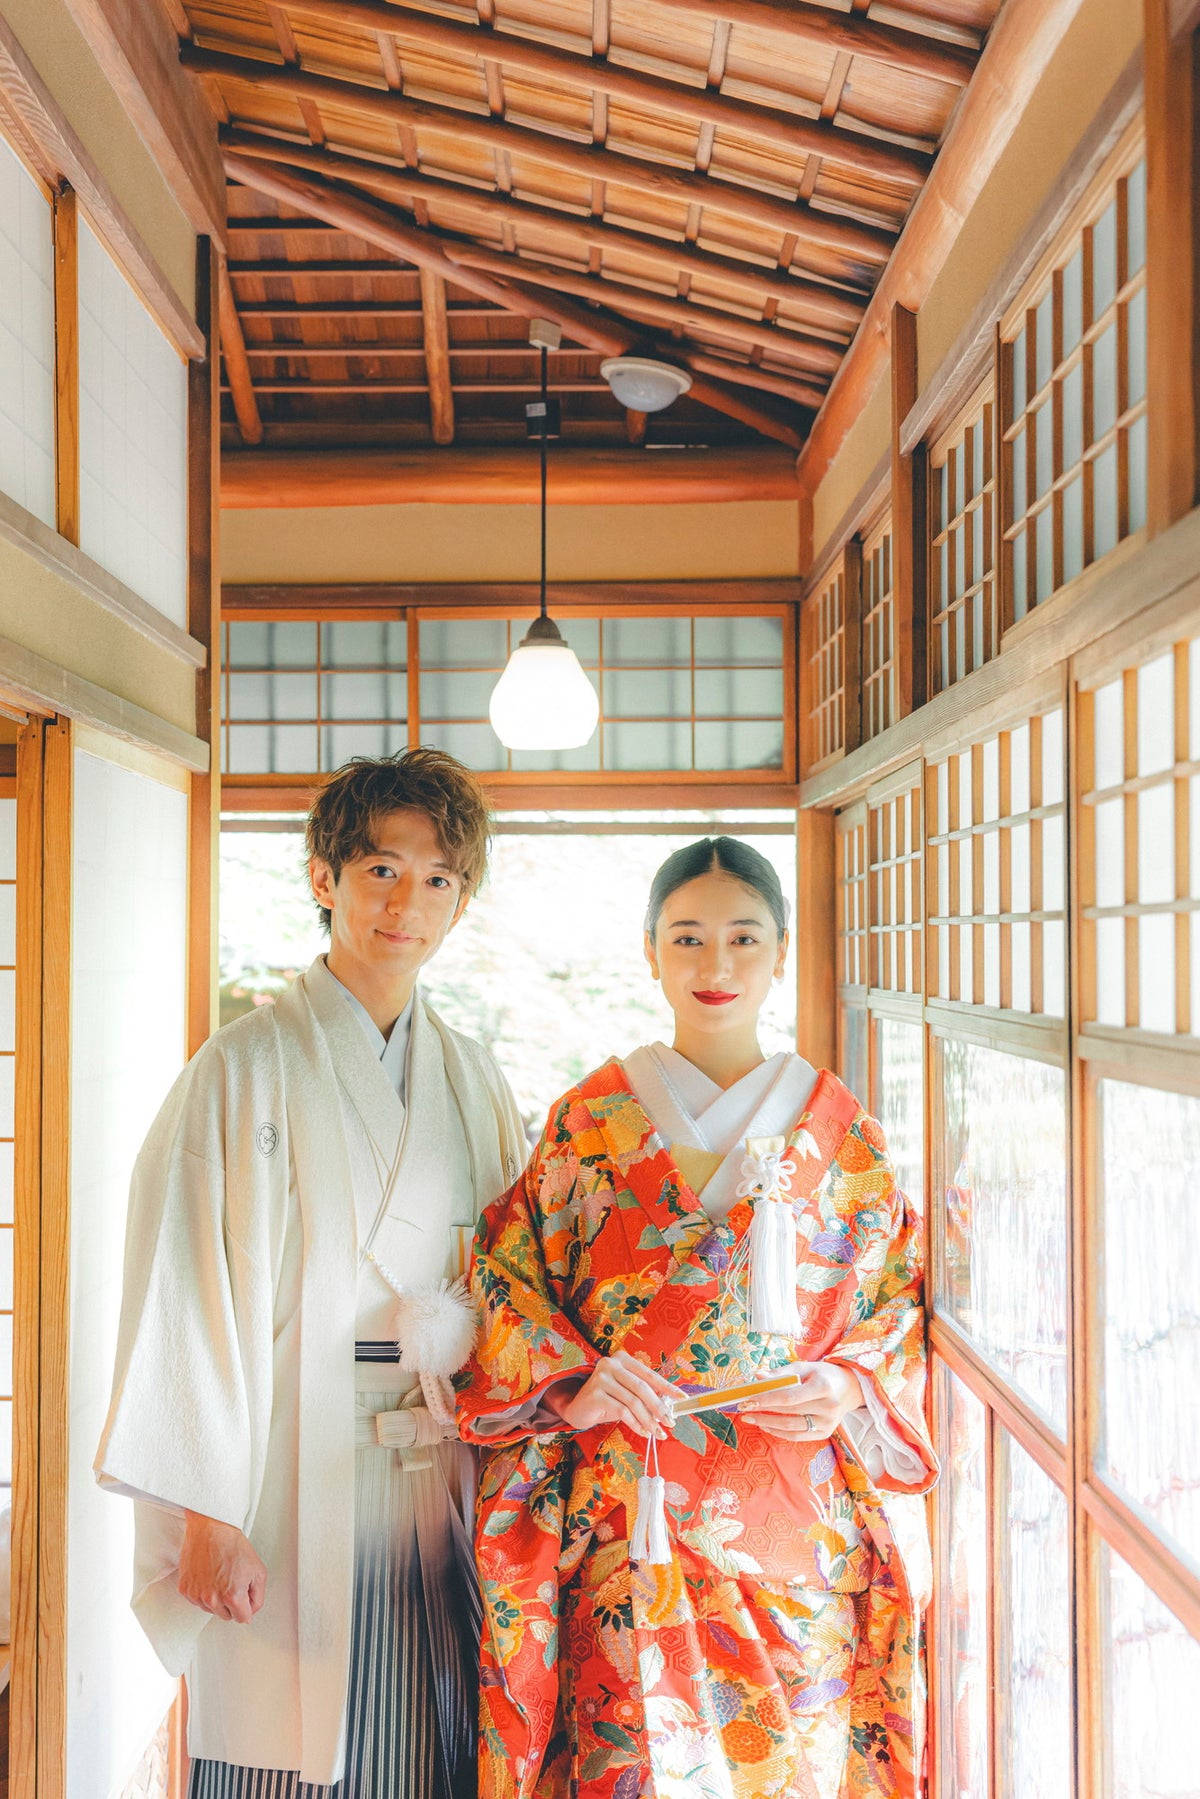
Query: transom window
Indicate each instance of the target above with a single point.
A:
(964, 612)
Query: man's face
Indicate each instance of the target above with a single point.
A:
(391, 909)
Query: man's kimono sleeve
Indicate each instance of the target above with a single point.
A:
(885, 1342)
(191, 1399)
(527, 1341)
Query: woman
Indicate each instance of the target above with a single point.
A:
(678, 1200)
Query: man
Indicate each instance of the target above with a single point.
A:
(315, 1159)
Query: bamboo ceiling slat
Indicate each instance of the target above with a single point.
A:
(724, 178)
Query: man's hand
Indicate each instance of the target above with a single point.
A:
(812, 1411)
(620, 1390)
(219, 1570)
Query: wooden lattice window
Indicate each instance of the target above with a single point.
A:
(878, 632)
(854, 945)
(998, 869)
(825, 639)
(964, 612)
(1073, 368)
(894, 836)
(1140, 845)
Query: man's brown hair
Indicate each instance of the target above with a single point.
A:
(345, 815)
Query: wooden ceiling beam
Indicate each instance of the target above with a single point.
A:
(851, 34)
(1025, 37)
(378, 225)
(589, 162)
(354, 309)
(857, 151)
(237, 367)
(811, 354)
(829, 307)
(503, 477)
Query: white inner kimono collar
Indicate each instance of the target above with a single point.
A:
(392, 1051)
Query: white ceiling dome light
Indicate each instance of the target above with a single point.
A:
(643, 383)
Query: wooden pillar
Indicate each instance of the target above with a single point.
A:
(1172, 111)
(908, 522)
(66, 363)
(814, 938)
(204, 613)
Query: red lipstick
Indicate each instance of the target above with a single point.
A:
(714, 998)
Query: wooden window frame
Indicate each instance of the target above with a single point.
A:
(972, 415)
(879, 628)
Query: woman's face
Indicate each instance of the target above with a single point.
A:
(715, 949)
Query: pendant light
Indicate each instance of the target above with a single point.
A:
(543, 700)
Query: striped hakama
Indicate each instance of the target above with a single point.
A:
(412, 1707)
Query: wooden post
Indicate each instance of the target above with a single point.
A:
(66, 363)
(1172, 112)
(204, 614)
(908, 522)
(814, 938)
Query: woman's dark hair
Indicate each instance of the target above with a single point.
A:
(729, 856)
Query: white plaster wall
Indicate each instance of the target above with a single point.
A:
(26, 339)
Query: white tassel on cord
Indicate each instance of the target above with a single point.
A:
(772, 1256)
(436, 1330)
(650, 1541)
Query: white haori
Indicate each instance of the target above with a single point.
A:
(280, 1156)
(712, 1133)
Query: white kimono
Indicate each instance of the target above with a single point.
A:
(281, 1155)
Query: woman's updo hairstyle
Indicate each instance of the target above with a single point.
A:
(731, 857)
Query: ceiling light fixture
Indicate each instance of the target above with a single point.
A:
(543, 700)
(643, 383)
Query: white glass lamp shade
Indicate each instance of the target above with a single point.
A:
(543, 700)
(643, 384)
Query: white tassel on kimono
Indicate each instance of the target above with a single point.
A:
(436, 1330)
(772, 1254)
(650, 1541)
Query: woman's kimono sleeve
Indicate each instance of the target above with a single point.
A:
(885, 1342)
(519, 1269)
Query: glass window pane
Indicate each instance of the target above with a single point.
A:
(476, 745)
(1150, 1170)
(364, 643)
(466, 642)
(1108, 733)
(648, 693)
(1136, 316)
(247, 644)
(1110, 971)
(375, 696)
(1072, 416)
(1072, 302)
(1019, 376)
(1004, 1262)
(1104, 260)
(1110, 853)
(1020, 472)
(853, 1045)
(340, 742)
(1020, 575)
(6, 1183)
(1072, 529)
(755, 743)
(1104, 383)
(292, 644)
(1042, 427)
(455, 693)
(1156, 972)
(962, 1590)
(1156, 843)
(1106, 513)
(583, 635)
(1135, 220)
(633, 640)
(1053, 749)
(556, 761)
(1045, 340)
(740, 640)
(1045, 554)
(900, 1102)
(1151, 1679)
(1035, 1670)
(1136, 451)
(647, 746)
(738, 692)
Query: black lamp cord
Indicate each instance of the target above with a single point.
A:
(545, 424)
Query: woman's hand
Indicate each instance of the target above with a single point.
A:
(620, 1390)
(219, 1570)
(812, 1411)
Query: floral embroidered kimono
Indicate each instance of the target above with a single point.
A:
(778, 1652)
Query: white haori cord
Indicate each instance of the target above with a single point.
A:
(436, 1329)
(650, 1541)
(772, 1252)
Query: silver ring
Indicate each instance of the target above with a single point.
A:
(810, 1423)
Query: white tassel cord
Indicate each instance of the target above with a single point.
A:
(772, 1251)
(436, 1327)
(650, 1541)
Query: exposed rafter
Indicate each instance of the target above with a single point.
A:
(853, 34)
(237, 368)
(437, 357)
(378, 225)
(855, 150)
(828, 307)
(871, 157)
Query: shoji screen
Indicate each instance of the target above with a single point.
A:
(128, 989)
